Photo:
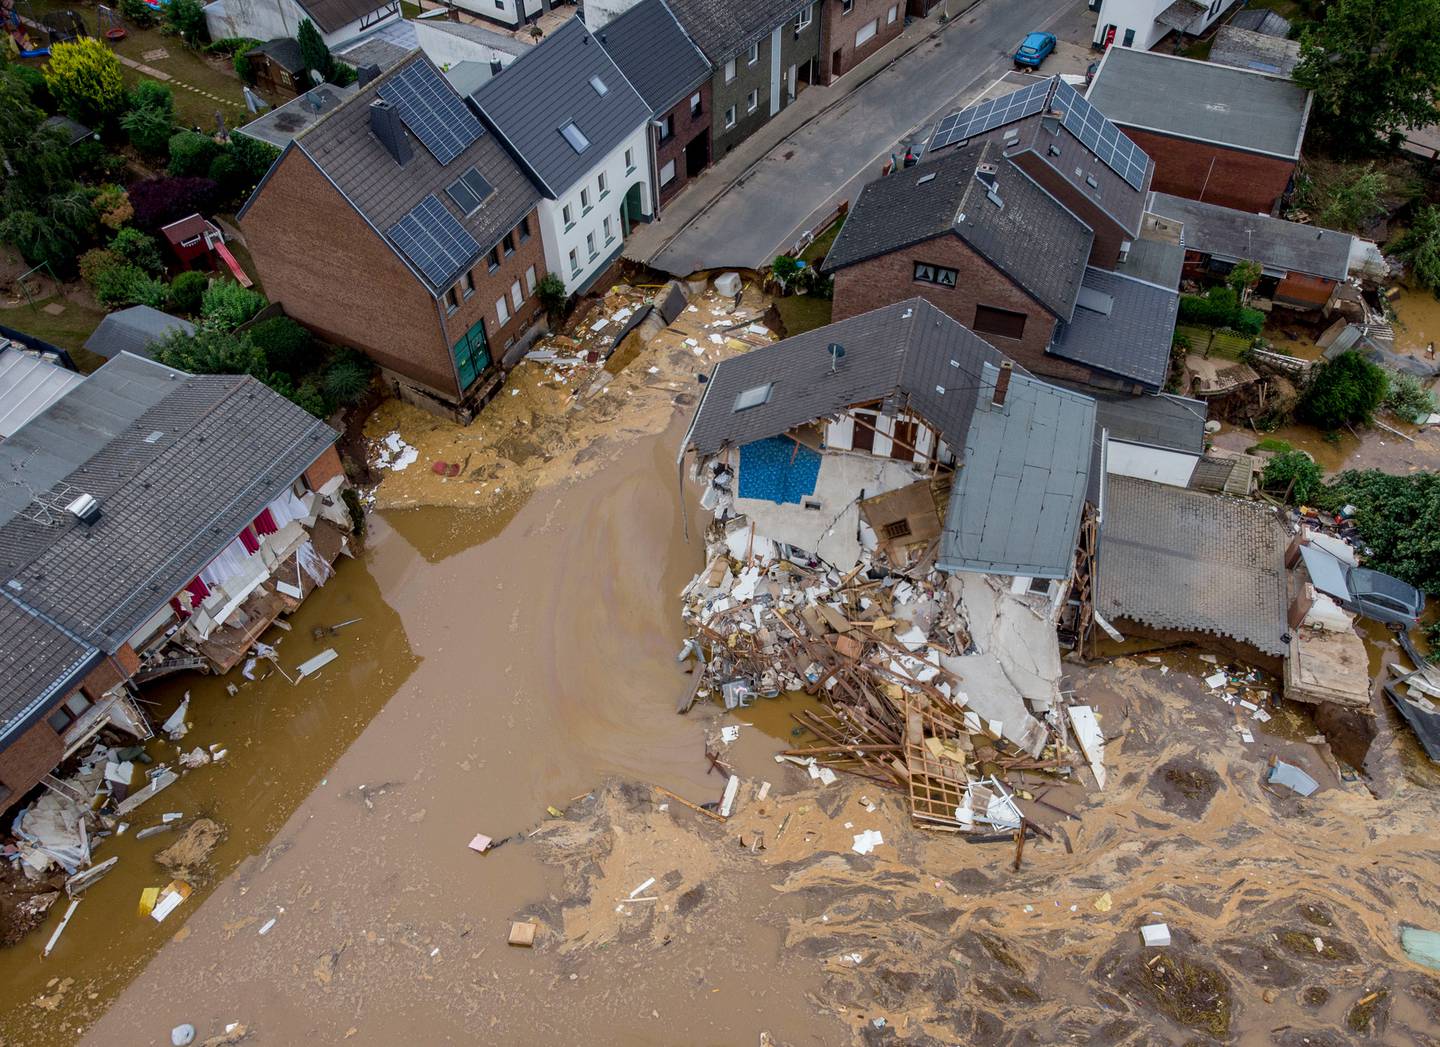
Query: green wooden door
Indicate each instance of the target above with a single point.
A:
(472, 355)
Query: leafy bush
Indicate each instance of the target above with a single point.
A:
(226, 173)
(1345, 389)
(151, 119)
(287, 346)
(1420, 248)
(342, 75)
(95, 261)
(86, 80)
(253, 156)
(1408, 397)
(1295, 472)
(229, 45)
(123, 285)
(1220, 307)
(347, 379)
(784, 268)
(139, 249)
(551, 290)
(210, 351)
(1345, 197)
(186, 19)
(187, 291)
(138, 13)
(241, 60)
(1396, 521)
(1432, 631)
(159, 201)
(37, 88)
(226, 305)
(191, 153)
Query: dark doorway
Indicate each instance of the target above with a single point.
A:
(697, 154)
(902, 445)
(864, 438)
(837, 62)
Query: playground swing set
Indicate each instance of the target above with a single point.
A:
(19, 20)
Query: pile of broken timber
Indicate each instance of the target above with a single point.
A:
(867, 642)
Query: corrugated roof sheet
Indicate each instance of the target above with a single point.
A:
(1261, 20)
(332, 15)
(1176, 559)
(28, 385)
(1132, 340)
(1231, 235)
(723, 28)
(656, 56)
(535, 96)
(1202, 101)
(1028, 235)
(134, 330)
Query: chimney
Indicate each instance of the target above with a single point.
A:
(366, 73)
(1002, 384)
(385, 123)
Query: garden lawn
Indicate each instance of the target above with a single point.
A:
(68, 330)
(801, 313)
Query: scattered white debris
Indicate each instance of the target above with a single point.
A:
(867, 841)
(1155, 935)
(395, 454)
(730, 733)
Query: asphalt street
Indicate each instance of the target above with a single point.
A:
(772, 201)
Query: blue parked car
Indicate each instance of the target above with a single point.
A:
(1034, 49)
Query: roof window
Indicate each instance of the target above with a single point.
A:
(926, 178)
(575, 137)
(599, 85)
(754, 397)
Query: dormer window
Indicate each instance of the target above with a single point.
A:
(575, 137)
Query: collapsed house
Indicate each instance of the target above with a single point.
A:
(150, 521)
(896, 510)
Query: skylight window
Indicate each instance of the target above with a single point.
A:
(599, 85)
(760, 394)
(926, 178)
(575, 137)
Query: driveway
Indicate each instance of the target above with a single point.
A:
(748, 208)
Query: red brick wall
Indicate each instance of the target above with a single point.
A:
(324, 469)
(838, 33)
(490, 286)
(1214, 174)
(686, 128)
(28, 759)
(890, 278)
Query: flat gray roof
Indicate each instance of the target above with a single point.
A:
(1175, 423)
(1120, 325)
(280, 125)
(1261, 52)
(1279, 246)
(29, 383)
(1202, 101)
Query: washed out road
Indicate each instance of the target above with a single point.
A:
(809, 170)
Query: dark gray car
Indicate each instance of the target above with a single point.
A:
(1381, 597)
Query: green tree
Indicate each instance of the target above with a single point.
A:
(139, 249)
(313, 51)
(1420, 248)
(1355, 200)
(1408, 397)
(1374, 67)
(86, 80)
(253, 156)
(226, 305)
(122, 285)
(1243, 277)
(287, 346)
(1294, 472)
(551, 290)
(187, 291)
(138, 13)
(150, 120)
(1396, 519)
(186, 19)
(211, 351)
(191, 154)
(1344, 390)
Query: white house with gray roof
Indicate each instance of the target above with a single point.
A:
(338, 21)
(1144, 23)
(580, 130)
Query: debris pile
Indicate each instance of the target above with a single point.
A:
(928, 680)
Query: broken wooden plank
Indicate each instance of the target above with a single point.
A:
(85, 878)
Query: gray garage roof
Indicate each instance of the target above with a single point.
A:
(1176, 423)
(29, 383)
(280, 125)
(1154, 261)
(1258, 51)
(1279, 246)
(1121, 325)
(134, 330)
(533, 98)
(343, 147)
(1202, 101)
(723, 28)
(1016, 504)
(1192, 562)
(989, 203)
(656, 56)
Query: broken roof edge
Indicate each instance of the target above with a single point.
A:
(90, 657)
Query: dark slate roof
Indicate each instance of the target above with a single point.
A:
(723, 28)
(176, 481)
(1029, 236)
(1122, 326)
(1176, 559)
(1018, 495)
(1033, 136)
(1261, 20)
(376, 51)
(134, 330)
(531, 99)
(656, 56)
(39, 661)
(1202, 101)
(342, 146)
(1175, 423)
(904, 349)
(285, 51)
(331, 15)
(1258, 51)
(1279, 246)
(1154, 261)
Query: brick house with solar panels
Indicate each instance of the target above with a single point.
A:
(577, 126)
(399, 225)
(1025, 224)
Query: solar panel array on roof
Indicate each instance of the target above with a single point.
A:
(1101, 137)
(432, 238)
(469, 191)
(990, 114)
(432, 111)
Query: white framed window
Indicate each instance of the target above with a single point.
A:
(867, 32)
(892, 14)
(590, 245)
(730, 117)
(847, 6)
(530, 279)
(502, 310)
(585, 201)
(467, 284)
(574, 260)
(604, 184)
(452, 301)
(806, 17)
(754, 54)
(695, 104)
(609, 235)
(730, 71)
(568, 216)
(667, 173)
(517, 296)
(629, 161)
(752, 101)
